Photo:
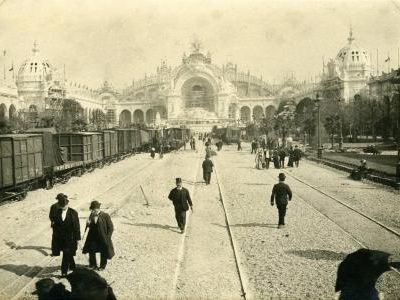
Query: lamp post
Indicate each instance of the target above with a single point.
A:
(340, 124)
(317, 103)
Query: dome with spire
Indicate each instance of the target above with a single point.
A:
(352, 60)
(35, 68)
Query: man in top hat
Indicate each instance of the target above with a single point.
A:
(99, 236)
(281, 194)
(180, 197)
(66, 232)
(207, 168)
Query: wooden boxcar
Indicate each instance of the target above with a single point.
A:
(110, 143)
(20, 159)
(135, 139)
(80, 146)
(124, 141)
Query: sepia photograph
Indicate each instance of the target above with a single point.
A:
(199, 149)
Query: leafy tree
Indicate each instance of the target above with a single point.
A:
(331, 125)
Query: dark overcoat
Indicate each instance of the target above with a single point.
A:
(105, 230)
(180, 198)
(207, 166)
(281, 193)
(67, 233)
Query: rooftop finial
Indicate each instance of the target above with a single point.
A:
(350, 38)
(196, 46)
(35, 47)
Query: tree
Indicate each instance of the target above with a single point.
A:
(331, 125)
(284, 124)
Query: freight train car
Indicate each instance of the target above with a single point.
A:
(228, 134)
(176, 137)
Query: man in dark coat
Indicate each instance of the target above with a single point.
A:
(99, 236)
(66, 233)
(207, 169)
(281, 193)
(296, 155)
(180, 197)
(282, 155)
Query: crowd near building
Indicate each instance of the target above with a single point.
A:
(197, 93)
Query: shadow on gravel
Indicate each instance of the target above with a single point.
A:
(157, 226)
(248, 225)
(30, 271)
(40, 249)
(319, 254)
(266, 184)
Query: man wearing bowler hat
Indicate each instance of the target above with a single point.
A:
(66, 232)
(99, 236)
(281, 193)
(180, 197)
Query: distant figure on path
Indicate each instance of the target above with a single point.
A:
(267, 157)
(207, 169)
(66, 232)
(282, 155)
(296, 156)
(281, 194)
(194, 143)
(152, 152)
(239, 145)
(275, 158)
(361, 172)
(99, 237)
(180, 197)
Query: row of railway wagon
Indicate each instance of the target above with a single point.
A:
(40, 158)
(228, 134)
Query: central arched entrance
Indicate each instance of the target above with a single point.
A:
(197, 92)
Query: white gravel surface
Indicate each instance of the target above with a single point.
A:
(299, 261)
(154, 261)
(378, 201)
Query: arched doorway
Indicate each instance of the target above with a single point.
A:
(258, 113)
(245, 114)
(197, 92)
(3, 111)
(150, 116)
(270, 112)
(138, 116)
(125, 119)
(12, 112)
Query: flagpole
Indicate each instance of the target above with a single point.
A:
(377, 62)
(4, 65)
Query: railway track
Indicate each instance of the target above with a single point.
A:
(245, 292)
(16, 288)
(391, 231)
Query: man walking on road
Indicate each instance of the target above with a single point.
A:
(99, 237)
(66, 233)
(281, 193)
(207, 169)
(180, 197)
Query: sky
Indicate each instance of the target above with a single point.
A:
(121, 40)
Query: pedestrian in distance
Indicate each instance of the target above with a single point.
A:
(282, 155)
(66, 233)
(239, 145)
(194, 143)
(297, 156)
(152, 152)
(99, 236)
(253, 146)
(259, 159)
(291, 157)
(281, 194)
(207, 169)
(181, 200)
(275, 157)
(267, 157)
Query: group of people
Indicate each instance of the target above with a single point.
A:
(264, 156)
(67, 234)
